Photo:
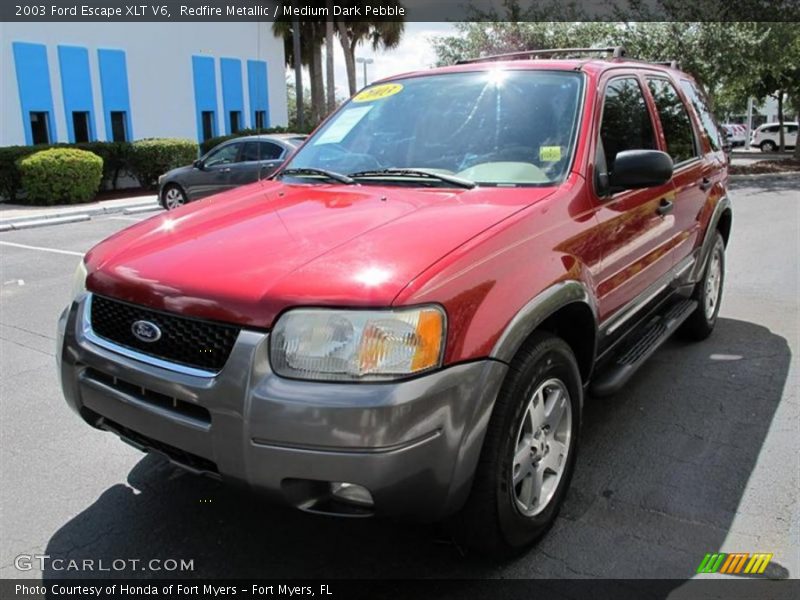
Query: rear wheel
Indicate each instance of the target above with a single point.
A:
(173, 196)
(708, 293)
(529, 451)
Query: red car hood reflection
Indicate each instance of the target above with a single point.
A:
(246, 255)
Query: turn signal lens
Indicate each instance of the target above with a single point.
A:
(321, 344)
(78, 281)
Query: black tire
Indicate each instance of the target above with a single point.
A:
(768, 146)
(172, 196)
(491, 522)
(702, 321)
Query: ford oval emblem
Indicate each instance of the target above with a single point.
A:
(145, 331)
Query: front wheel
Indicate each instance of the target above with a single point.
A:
(529, 451)
(768, 146)
(708, 293)
(173, 196)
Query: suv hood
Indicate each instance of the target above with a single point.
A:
(246, 255)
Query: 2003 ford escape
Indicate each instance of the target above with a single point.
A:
(406, 318)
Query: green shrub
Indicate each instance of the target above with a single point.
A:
(60, 176)
(116, 158)
(153, 157)
(216, 141)
(10, 178)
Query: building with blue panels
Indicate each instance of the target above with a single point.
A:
(76, 82)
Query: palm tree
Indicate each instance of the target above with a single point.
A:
(311, 37)
(330, 78)
(383, 35)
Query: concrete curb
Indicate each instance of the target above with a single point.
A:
(31, 223)
(75, 214)
(746, 176)
(141, 209)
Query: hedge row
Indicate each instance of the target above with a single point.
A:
(215, 141)
(144, 159)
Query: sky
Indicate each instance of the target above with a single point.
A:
(414, 52)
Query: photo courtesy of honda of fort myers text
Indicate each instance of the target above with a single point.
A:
(365, 299)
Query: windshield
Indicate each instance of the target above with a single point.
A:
(496, 127)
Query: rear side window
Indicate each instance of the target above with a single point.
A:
(626, 120)
(270, 151)
(700, 104)
(675, 120)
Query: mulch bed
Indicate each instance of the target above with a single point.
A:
(766, 167)
(123, 193)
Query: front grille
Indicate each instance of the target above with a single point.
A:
(186, 341)
(153, 398)
(182, 457)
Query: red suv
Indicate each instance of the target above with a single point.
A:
(406, 318)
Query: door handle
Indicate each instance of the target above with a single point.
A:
(226, 170)
(705, 184)
(664, 207)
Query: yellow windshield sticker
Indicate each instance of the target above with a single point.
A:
(379, 92)
(550, 153)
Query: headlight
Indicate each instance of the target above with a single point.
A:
(79, 280)
(352, 345)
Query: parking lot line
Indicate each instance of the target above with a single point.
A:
(42, 249)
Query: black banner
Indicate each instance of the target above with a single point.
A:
(337, 589)
(406, 10)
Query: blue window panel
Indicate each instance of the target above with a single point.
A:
(33, 82)
(205, 91)
(114, 89)
(257, 87)
(232, 94)
(76, 86)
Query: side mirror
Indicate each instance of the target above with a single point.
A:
(198, 164)
(634, 169)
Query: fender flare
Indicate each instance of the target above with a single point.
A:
(722, 206)
(536, 311)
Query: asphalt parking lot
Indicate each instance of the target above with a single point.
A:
(700, 453)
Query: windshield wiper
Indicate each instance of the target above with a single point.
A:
(333, 175)
(458, 181)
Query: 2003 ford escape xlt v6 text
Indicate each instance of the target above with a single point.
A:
(405, 319)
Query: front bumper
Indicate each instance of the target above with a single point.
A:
(413, 444)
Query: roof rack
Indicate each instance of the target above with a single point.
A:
(672, 64)
(613, 51)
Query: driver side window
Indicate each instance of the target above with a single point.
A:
(225, 155)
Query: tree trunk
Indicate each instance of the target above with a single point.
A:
(330, 78)
(349, 57)
(317, 84)
(298, 74)
(781, 136)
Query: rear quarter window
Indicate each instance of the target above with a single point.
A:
(703, 111)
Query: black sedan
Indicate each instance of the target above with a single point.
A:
(231, 164)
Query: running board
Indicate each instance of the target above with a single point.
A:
(635, 353)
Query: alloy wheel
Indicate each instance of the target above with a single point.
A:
(542, 447)
(173, 198)
(713, 284)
